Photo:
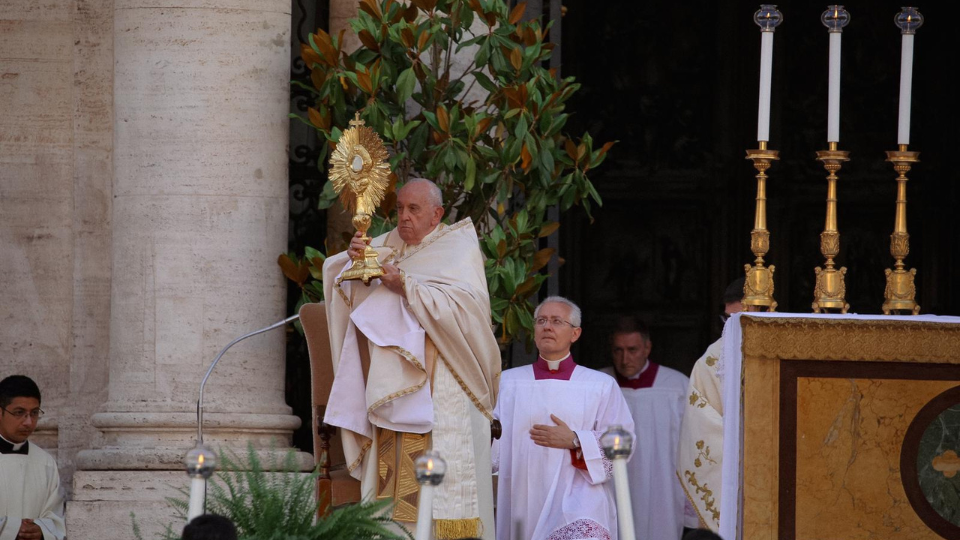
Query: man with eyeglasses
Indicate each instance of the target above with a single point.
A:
(552, 471)
(700, 457)
(31, 506)
(655, 395)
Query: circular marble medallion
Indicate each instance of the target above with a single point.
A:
(930, 463)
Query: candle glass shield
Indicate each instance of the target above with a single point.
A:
(430, 468)
(768, 17)
(200, 462)
(616, 442)
(908, 20)
(835, 18)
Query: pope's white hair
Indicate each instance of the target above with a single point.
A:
(434, 195)
(575, 314)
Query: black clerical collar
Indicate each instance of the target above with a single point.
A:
(7, 447)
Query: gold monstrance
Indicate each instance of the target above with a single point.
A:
(360, 174)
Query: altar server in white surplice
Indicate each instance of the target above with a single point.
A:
(655, 395)
(553, 474)
(31, 505)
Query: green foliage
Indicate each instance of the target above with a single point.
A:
(490, 134)
(266, 505)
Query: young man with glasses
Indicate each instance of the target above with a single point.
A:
(31, 506)
(552, 471)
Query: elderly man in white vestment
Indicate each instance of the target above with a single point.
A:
(700, 456)
(552, 471)
(417, 365)
(655, 396)
(31, 505)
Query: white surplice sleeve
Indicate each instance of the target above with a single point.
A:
(614, 411)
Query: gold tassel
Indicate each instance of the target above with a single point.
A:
(447, 529)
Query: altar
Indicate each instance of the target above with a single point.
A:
(849, 427)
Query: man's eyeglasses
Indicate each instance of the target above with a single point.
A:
(20, 414)
(553, 321)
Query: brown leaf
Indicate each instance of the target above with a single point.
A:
(606, 147)
(443, 119)
(421, 4)
(517, 13)
(526, 288)
(571, 149)
(525, 157)
(430, 4)
(294, 272)
(318, 77)
(476, 7)
(406, 37)
(541, 258)
(371, 7)
(369, 41)
(483, 125)
(315, 117)
(501, 246)
(529, 37)
(422, 40)
(410, 14)
(322, 39)
(363, 79)
(310, 56)
(548, 228)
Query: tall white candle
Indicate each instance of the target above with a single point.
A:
(622, 490)
(766, 69)
(906, 80)
(198, 488)
(833, 95)
(425, 512)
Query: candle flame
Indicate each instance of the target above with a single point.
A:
(200, 460)
(430, 465)
(616, 442)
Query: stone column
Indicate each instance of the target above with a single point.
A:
(201, 93)
(36, 202)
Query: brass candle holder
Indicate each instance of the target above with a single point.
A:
(758, 287)
(900, 292)
(830, 290)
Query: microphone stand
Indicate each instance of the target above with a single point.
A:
(217, 359)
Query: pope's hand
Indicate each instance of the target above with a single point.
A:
(29, 531)
(357, 245)
(558, 436)
(391, 280)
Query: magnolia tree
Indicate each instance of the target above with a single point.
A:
(458, 92)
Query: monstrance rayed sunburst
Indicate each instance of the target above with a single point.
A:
(360, 174)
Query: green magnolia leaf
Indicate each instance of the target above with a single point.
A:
(471, 174)
(406, 83)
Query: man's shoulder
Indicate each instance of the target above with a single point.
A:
(39, 454)
(671, 377)
(517, 373)
(595, 375)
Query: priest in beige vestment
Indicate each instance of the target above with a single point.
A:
(700, 453)
(417, 365)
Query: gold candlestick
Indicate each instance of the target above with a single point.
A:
(900, 292)
(758, 287)
(830, 288)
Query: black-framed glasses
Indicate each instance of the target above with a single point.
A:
(554, 321)
(20, 414)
